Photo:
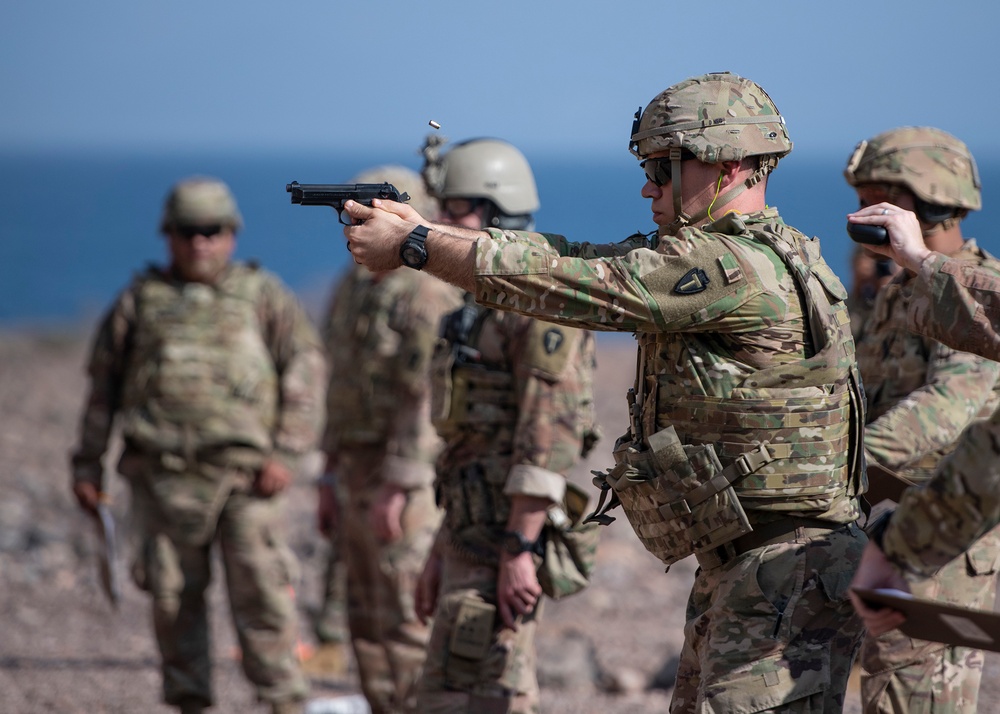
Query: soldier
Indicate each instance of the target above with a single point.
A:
(380, 331)
(921, 396)
(513, 400)
(747, 413)
(957, 303)
(214, 374)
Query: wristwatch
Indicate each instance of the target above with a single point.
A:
(515, 543)
(413, 252)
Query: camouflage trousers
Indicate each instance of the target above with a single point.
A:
(331, 621)
(772, 630)
(489, 674)
(908, 676)
(259, 571)
(387, 637)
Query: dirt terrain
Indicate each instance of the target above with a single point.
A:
(63, 649)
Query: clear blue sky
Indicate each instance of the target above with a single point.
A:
(560, 77)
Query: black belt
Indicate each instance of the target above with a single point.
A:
(787, 529)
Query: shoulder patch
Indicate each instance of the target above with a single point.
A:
(549, 348)
(693, 281)
(552, 340)
(683, 284)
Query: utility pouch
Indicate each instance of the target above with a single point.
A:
(473, 631)
(678, 498)
(570, 546)
(476, 496)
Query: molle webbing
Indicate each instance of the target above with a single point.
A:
(472, 496)
(817, 452)
(829, 322)
(834, 356)
(200, 376)
(468, 394)
(483, 397)
(808, 438)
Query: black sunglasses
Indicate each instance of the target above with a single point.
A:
(659, 170)
(189, 232)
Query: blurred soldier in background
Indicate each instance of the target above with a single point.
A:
(958, 303)
(215, 375)
(513, 400)
(921, 396)
(377, 494)
(747, 412)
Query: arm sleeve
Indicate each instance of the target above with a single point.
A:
(957, 303)
(644, 291)
(940, 520)
(301, 367)
(931, 418)
(562, 247)
(106, 370)
(553, 390)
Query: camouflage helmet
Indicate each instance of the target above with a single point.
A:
(406, 180)
(717, 117)
(932, 164)
(490, 169)
(200, 201)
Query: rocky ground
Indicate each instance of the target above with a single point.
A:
(612, 648)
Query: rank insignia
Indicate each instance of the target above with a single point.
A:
(694, 281)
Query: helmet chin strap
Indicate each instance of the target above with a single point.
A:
(767, 164)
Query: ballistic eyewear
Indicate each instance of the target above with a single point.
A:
(659, 170)
(189, 232)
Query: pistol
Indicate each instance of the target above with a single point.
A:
(336, 195)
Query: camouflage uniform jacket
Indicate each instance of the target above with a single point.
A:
(380, 332)
(921, 394)
(234, 368)
(957, 303)
(514, 404)
(720, 318)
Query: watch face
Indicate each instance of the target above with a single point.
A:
(413, 256)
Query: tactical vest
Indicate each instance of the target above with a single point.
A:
(199, 376)
(475, 410)
(364, 357)
(472, 402)
(784, 441)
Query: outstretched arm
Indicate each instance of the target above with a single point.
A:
(375, 243)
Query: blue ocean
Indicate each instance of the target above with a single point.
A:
(75, 227)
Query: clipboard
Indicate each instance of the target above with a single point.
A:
(884, 484)
(939, 621)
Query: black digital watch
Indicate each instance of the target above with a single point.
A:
(413, 252)
(515, 543)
